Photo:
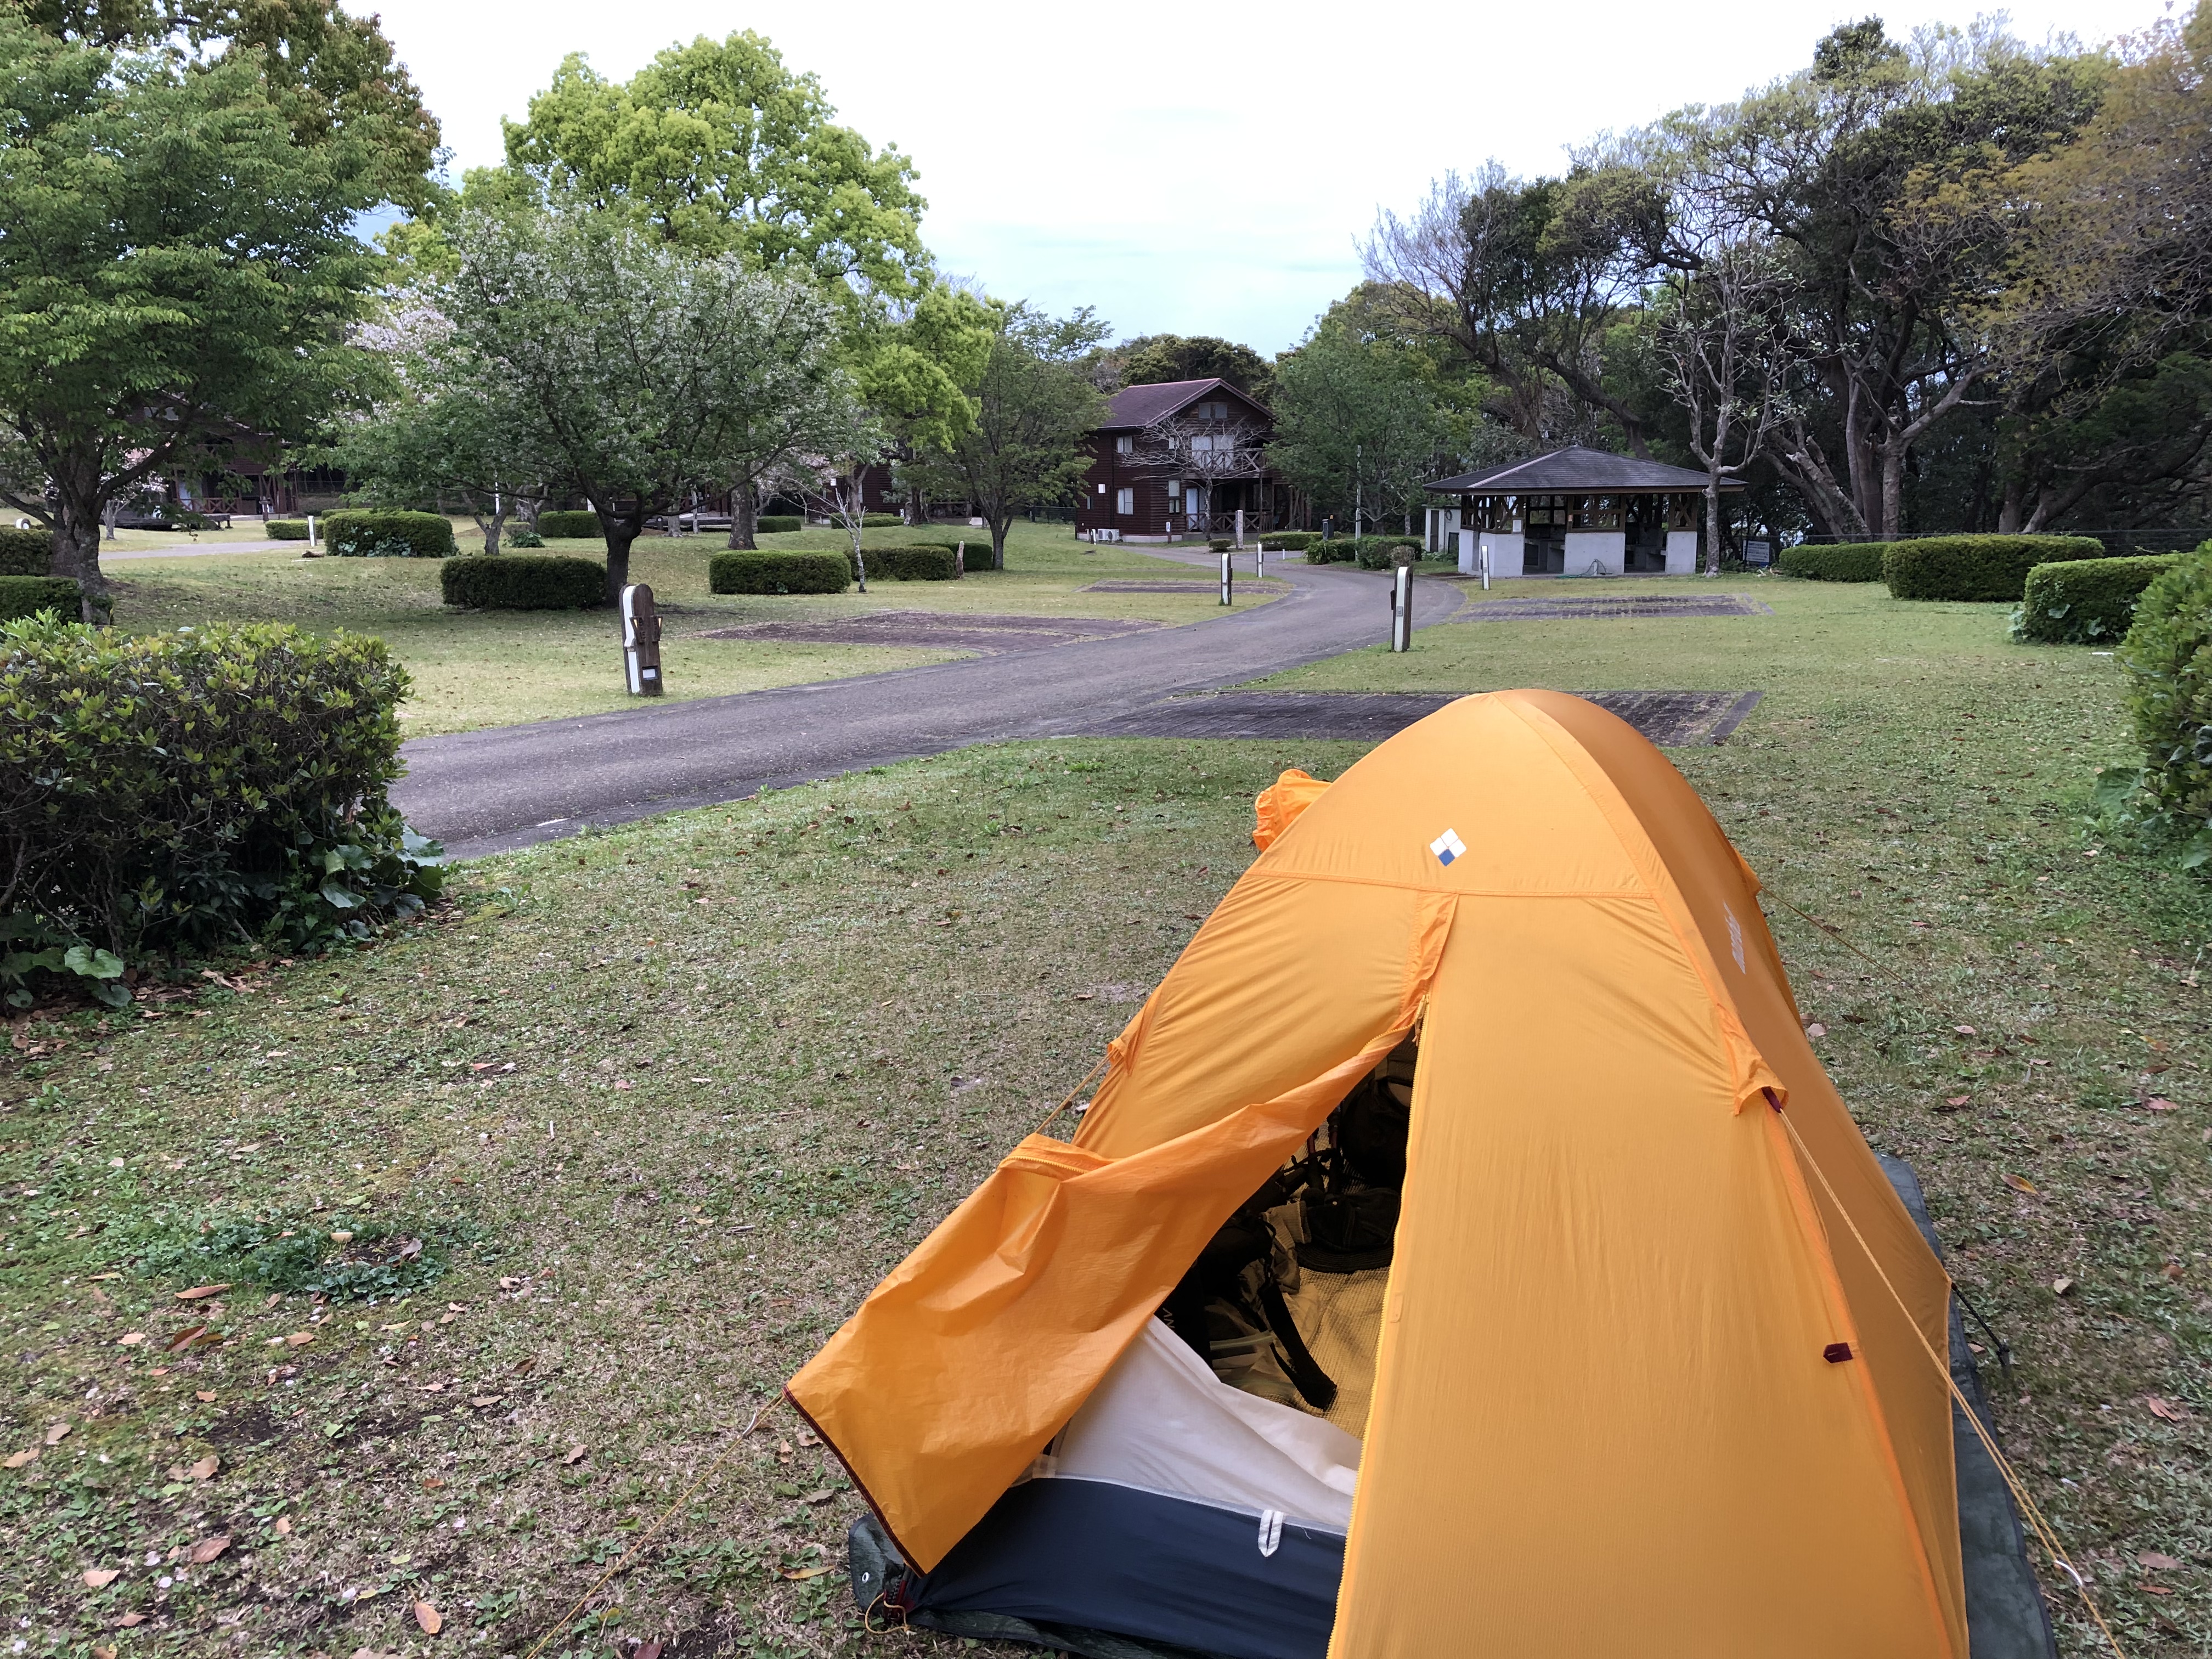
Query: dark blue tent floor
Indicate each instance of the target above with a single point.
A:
(997, 1587)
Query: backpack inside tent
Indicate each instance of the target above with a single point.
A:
(1463, 1242)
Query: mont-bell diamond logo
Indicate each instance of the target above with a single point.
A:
(1448, 846)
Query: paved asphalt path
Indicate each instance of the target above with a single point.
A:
(490, 791)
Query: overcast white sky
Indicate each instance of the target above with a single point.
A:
(1193, 169)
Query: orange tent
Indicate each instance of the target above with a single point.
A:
(1639, 1387)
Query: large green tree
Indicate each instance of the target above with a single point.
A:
(1034, 405)
(177, 263)
(640, 372)
(1157, 359)
(718, 146)
(1359, 427)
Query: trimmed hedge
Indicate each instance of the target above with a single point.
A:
(1977, 568)
(2168, 655)
(26, 552)
(285, 530)
(1844, 562)
(880, 521)
(758, 571)
(357, 533)
(569, 526)
(27, 596)
(1287, 541)
(777, 524)
(207, 787)
(2085, 601)
(524, 581)
(1368, 552)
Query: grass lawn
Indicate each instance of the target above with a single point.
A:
(757, 1050)
(498, 668)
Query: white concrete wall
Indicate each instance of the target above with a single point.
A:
(1464, 544)
(1505, 551)
(1682, 552)
(1443, 529)
(1607, 550)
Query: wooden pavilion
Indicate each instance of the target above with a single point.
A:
(1575, 511)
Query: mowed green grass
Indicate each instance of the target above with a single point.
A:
(503, 667)
(834, 1008)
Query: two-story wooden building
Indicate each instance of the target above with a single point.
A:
(1181, 458)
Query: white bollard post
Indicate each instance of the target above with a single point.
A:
(311, 530)
(1228, 575)
(1240, 527)
(1402, 609)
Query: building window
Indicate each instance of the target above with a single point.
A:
(1125, 502)
(1124, 444)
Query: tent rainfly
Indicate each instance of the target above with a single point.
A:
(1642, 1376)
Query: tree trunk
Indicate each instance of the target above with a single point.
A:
(1712, 522)
(745, 515)
(113, 511)
(620, 531)
(76, 545)
(1000, 526)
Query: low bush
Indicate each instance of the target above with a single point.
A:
(915, 562)
(285, 530)
(27, 596)
(2085, 601)
(1368, 552)
(375, 533)
(778, 524)
(521, 535)
(758, 571)
(1842, 561)
(1977, 568)
(2167, 657)
(524, 581)
(26, 552)
(569, 526)
(880, 521)
(1285, 541)
(206, 788)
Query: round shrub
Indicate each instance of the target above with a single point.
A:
(1977, 568)
(778, 524)
(206, 787)
(27, 596)
(2085, 601)
(375, 533)
(753, 571)
(524, 581)
(521, 535)
(285, 530)
(1844, 562)
(569, 526)
(26, 552)
(2167, 654)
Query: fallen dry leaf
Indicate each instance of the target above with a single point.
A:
(1956, 1100)
(811, 1572)
(483, 1400)
(2153, 1560)
(101, 1577)
(16, 1460)
(129, 1619)
(575, 1454)
(283, 1526)
(432, 1483)
(206, 1550)
(2061, 1285)
(103, 1653)
(205, 1468)
(2160, 1103)
(130, 1339)
(1966, 1030)
(2155, 1589)
(430, 1618)
(2165, 1409)
(340, 1236)
(200, 1292)
(808, 1437)
(2019, 1184)
(822, 1497)
(202, 1394)
(57, 1434)
(301, 1338)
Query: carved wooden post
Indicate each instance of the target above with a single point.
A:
(641, 627)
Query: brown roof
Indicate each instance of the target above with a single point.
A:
(1135, 406)
(1578, 468)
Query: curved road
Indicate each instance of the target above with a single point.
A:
(508, 786)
